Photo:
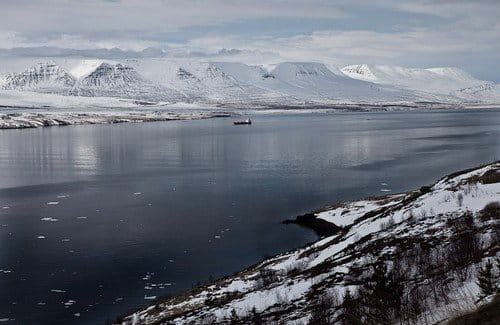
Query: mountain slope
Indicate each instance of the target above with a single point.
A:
(118, 80)
(315, 80)
(44, 77)
(237, 84)
(443, 81)
(409, 257)
(201, 81)
(90, 78)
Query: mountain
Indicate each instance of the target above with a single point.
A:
(443, 81)
(286, 83)
(43, 77)
(200, 81)
(89, 78)
(408, 258)
(155, 80)
(315, 80)
(118, 80)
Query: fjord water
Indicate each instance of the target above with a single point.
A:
(96, 220)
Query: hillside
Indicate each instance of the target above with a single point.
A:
(411, 257)
(161, 80)
(441, 81)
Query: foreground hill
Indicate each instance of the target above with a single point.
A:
(411, 257)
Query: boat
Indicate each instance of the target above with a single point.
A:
(245, 122)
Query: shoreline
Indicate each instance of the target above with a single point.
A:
(31, 120)
(317, 265)
(24, 117)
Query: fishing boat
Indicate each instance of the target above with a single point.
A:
(245, 122)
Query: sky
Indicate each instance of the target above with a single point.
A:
(410, 33)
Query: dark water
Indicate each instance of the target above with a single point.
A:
(197, 180)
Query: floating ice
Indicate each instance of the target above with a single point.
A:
(57, 291)
(50, 219)
(384, 190)
(150, 297)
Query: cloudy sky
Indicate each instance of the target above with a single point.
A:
(412, 33)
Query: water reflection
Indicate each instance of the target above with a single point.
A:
(178, 202)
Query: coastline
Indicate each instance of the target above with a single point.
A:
(289, 286)
(22, 117)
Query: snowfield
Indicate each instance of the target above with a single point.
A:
(32, 110)
(432, 240)
(85, 86)
(105, 83)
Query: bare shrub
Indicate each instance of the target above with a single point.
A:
(490, 212)
(267, 277)
(465, 247)
(297, 267)
(381, 295)
(209, 319)
(411, 217)
(352, 310)
(324, 308)
(280, 298)
(388, 224)
(460, 199)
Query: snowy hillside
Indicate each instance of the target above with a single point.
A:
(443, 81)
(44, 77)
(238, 84)
(201, 81)
(118, 80)
(410, 257)
(89, 78)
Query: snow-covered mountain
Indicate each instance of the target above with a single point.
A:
(286, 83)
(89, 78)
(315, 80)
(239, 84)
(118, 80)
(202, 81)
(442, 81)
(44, 77)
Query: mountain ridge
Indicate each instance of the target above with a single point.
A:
(236, 83)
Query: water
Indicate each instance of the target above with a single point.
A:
(143, 204)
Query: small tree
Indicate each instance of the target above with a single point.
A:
(460, 199)
(351, 310)
(486, 280)
(234, 319)
(255, 317)
(381, 295)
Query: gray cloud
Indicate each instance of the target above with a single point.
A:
(462, 32)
